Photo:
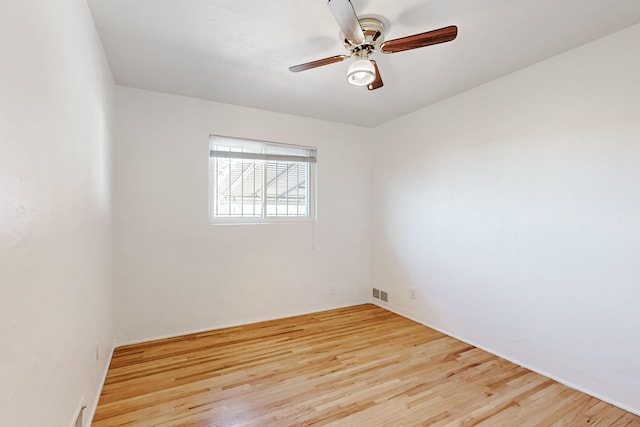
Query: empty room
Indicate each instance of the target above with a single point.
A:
(311, 212)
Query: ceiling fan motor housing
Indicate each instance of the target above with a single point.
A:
(373, 30)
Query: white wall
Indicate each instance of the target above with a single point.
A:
(175, 273)
(514, 210)
(55, 100)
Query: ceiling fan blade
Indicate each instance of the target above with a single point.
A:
(347, 20)
(318, 63)
(442, 35)
(377, 83)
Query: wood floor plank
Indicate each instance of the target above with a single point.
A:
(356, 366)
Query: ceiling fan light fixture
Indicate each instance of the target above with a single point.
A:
(363, 37)
(361, 73)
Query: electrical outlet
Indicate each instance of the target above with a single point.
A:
(97, 350)
(413, 292)
(376, 293)
(384, 296)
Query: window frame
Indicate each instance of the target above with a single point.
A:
(267, 146)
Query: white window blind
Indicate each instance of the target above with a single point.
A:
(257, 181)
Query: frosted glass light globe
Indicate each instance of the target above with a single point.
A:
(361, 73)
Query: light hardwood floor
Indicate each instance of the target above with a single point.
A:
(357, 366)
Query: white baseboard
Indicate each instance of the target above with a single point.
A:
(399, 311)
(91, 410)
(153, 337)
(395, 309)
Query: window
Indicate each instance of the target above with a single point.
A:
(256, 181)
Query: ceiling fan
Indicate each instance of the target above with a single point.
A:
(363, 37)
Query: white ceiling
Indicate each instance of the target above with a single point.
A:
(239, 51)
